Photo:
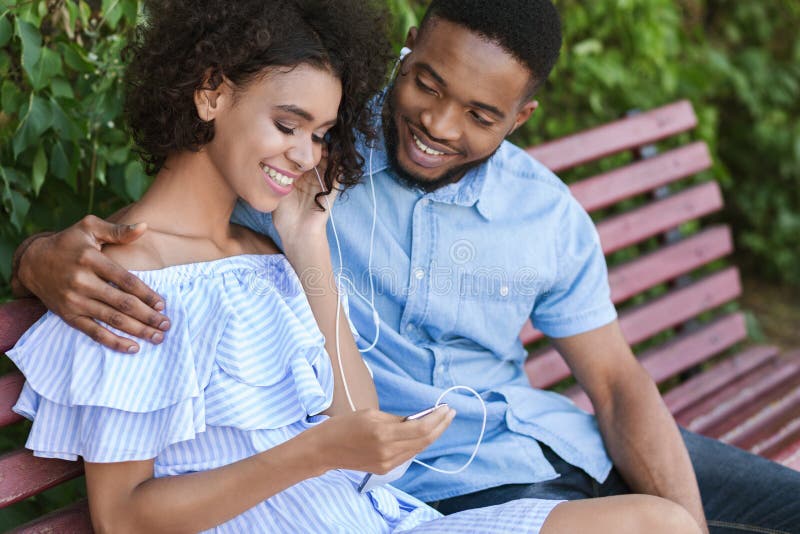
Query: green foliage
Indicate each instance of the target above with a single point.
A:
(62, 151)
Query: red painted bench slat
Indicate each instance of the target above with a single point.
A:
(777, 412)
(737, 396)
(16, 317)
(683, 352)
(638, 130)
(668, 263)
(790, 456)
(73, 519)
(23, 475)
(10, 386)
(658, 267)
(787, 435)
(640, 177)
(680, 305)
(546, 368)
(698, 387)
(657, 217)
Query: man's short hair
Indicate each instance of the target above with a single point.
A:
(530, 30)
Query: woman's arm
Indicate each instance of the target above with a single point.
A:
(310, 258)
(302, 227)
(124, 497)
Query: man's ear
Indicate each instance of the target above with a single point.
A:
(411, 38)
(208, 99)
(524, 114)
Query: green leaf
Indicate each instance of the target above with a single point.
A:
(62, 124)
(48, 66)
(39, 170)
(112, 12)
(35, 121)
(31, 44)
(5, 63)
(59, 163)
(136, 180)
(16, 206)
(74, 58)
(61, 88)
(6, 31)
(10, 98)
(85, 13)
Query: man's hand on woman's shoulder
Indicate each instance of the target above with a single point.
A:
(75, 280)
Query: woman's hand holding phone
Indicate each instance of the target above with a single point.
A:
(376, 442)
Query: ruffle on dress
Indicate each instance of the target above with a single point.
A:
(243, 351)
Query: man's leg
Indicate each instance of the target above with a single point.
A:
(741, 492)
(573, 484)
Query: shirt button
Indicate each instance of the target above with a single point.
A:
(419, 274)
(503, 291)
(410, 328)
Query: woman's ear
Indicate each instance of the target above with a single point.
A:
(208, 99)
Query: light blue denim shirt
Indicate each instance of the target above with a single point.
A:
(456, 273)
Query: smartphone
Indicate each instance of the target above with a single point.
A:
(423, 413)
(372, 480)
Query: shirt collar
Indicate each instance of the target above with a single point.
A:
(472, 190)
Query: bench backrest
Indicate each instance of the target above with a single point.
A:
(656, 216)
(674, 295)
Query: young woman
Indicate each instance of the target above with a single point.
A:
(238, 421)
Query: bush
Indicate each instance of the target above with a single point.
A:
(62, 151)
(64, 154)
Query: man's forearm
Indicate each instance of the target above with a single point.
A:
(18, 288)
(647, 449)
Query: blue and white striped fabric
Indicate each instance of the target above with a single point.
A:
(242, 370)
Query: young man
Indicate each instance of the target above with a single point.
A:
(472, 238)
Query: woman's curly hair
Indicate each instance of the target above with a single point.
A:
(185, 44)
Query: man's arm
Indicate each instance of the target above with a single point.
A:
(640, 434)
(17, 289)
(74, 279)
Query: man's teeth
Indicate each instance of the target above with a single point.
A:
(278, 178)
(425, 148)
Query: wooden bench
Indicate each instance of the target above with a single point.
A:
(750, 399)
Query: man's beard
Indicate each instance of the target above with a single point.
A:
(405, 176)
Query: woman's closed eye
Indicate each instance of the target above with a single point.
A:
(284, 128)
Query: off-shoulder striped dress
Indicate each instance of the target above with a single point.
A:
(242, 369)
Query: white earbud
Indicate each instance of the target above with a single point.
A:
(404, 52)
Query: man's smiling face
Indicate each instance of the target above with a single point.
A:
(458, 95)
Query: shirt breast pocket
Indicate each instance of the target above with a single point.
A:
(492, 308)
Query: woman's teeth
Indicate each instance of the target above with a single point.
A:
(425, 148)
(278, 178)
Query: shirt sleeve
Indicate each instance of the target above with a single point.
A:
(258, 221)
(579, 299)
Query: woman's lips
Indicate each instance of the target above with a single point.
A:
(279, 181)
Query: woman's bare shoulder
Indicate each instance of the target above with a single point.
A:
(252, 242)
(140, 255)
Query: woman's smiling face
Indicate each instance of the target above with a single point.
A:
(271, 131)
